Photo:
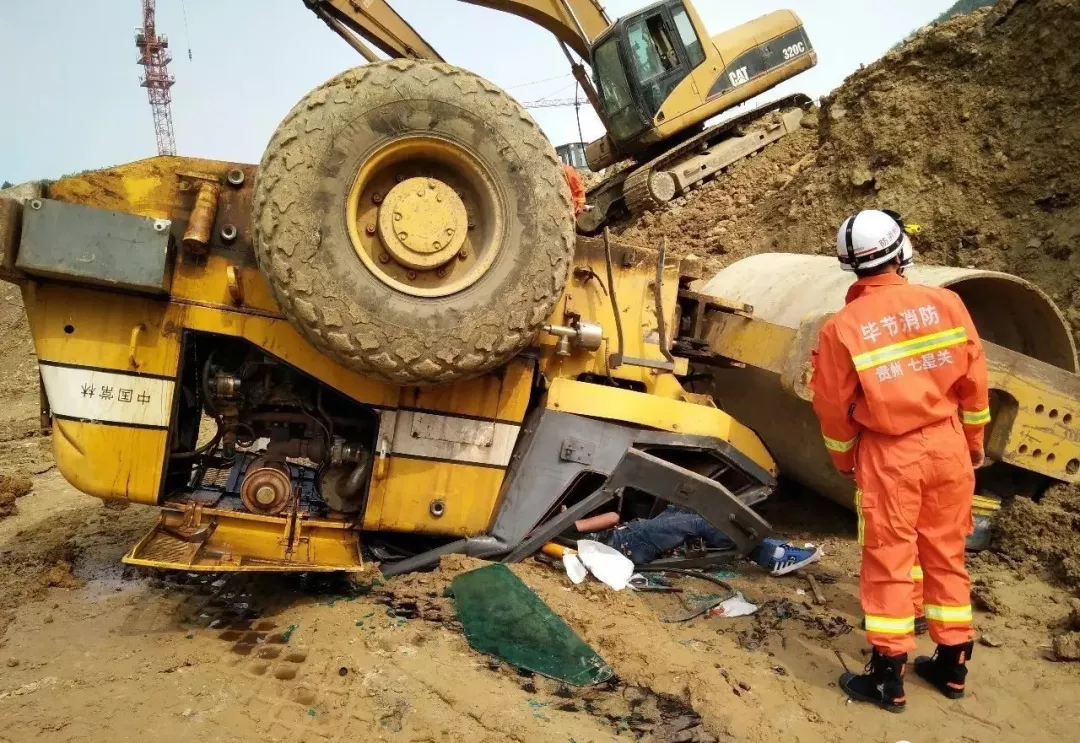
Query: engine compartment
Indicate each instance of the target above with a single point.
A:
(254, 434)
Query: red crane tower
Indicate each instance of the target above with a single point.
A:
(154, 57)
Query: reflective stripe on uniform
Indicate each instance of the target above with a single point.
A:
(922, 344)
(975, 418)
(949, 614)
(890, 625)
(916, 572)
(840, 446)
(858, 512)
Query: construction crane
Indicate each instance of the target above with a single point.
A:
(154, 57)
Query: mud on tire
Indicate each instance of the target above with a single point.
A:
(303, 243)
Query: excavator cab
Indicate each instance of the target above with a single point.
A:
(640, 60)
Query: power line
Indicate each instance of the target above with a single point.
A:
(556, 103)
(537, 82)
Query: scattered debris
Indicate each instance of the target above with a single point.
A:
(606, 563)
(771, 615)
(736, 606)
(575, 570)
(989, 640)
(819, 597)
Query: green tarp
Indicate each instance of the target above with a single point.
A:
(503, 618)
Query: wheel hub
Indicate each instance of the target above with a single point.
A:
(422, 223)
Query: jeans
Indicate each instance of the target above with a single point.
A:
(645, 540)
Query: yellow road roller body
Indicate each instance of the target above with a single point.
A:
(386, 331)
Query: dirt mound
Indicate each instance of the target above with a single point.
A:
(1032, 536)
(970, 129)
(12, 487)
(19, 395)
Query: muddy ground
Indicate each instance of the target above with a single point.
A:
(94, 651)
(971, 130)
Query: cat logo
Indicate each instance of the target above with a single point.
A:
(739, 76)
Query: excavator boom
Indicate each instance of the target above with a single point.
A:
(574, 22)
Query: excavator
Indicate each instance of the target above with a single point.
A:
(658, 77)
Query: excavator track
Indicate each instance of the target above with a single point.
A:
(645, 189)
(648, 187)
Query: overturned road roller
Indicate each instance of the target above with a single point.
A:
(386, 334)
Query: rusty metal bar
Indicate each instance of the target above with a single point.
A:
(201, 223)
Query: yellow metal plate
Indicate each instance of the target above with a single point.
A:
(653, 411)
(238, 542)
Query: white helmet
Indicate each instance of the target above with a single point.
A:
(872, 238)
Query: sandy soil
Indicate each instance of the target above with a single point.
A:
(94, 651)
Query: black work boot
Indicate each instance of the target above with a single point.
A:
(947, 670)
(882, 684)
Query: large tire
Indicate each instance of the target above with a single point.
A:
(305, 249)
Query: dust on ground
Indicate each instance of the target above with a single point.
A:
(108, 651)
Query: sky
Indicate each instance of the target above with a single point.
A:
(72, 99)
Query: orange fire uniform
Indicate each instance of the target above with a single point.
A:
(900, 390)
(577, 188)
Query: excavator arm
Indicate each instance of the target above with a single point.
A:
(574, 22)
(376, 22)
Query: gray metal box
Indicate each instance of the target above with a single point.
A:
(97, 246)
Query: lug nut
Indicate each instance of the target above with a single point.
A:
(370, 229)
(384, 258)
(463, 253)
(399, 177)
(411, 274)
(472, 223)
(376, 197)
(440, 271)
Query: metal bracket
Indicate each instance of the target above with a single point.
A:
(575, 450)
(669, 482)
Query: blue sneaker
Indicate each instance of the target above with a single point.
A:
(781, 558)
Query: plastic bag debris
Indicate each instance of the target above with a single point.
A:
(574, 569)
(736, 606)
(606, 563)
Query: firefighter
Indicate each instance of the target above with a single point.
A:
(577, 189)
(900, 391)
